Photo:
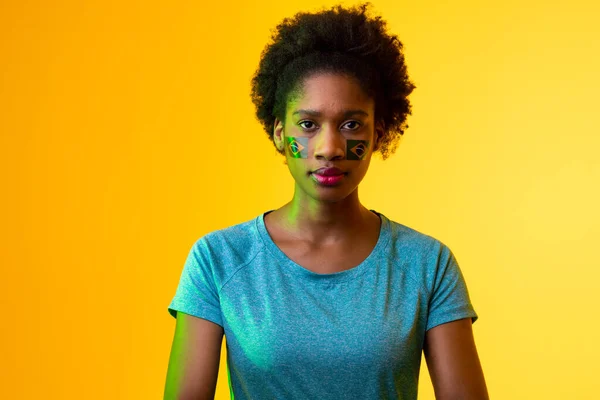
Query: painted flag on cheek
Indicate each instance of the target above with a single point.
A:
(356, 149)
(297, 146)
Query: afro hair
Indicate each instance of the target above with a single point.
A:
(342, 41)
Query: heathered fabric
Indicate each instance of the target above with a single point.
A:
(294, 334)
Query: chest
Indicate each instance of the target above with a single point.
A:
(326, 259)
(337, 334)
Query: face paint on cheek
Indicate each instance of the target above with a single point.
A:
(297, 147)
(356, 149)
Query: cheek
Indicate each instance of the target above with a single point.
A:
(363, 167)
(297, 167)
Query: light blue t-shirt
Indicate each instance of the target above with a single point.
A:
(295, 334)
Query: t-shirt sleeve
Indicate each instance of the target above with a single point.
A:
(197, 292)
(449, 299)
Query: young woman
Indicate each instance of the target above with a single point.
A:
(324, 298)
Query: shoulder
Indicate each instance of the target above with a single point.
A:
(420, 255)
(237, 238)
(415, 243)
(224, 251)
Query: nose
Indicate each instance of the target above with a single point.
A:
(329, 144)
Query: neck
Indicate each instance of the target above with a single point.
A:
(327, 223)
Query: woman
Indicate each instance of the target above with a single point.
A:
(324, 298)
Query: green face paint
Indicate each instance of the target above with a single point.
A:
(297, 147)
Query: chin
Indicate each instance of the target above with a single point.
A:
(332, 194)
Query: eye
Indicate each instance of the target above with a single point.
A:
(304, 122)
(354, 122)
(349, 122)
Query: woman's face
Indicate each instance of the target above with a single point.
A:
(331, 124)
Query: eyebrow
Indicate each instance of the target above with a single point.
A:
(346, 113)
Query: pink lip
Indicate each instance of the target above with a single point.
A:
(328, 180)
(328, 171)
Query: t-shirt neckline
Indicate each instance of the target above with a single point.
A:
(293, 268)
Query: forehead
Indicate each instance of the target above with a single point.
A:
(331, 93)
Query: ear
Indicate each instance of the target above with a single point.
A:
(278, 135)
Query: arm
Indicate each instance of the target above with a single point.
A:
(453, 362)
(194, 361)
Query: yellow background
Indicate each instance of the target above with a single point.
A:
(127, 132)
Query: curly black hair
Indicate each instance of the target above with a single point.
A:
(342, 41)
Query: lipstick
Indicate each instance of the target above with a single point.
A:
(329, 180)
